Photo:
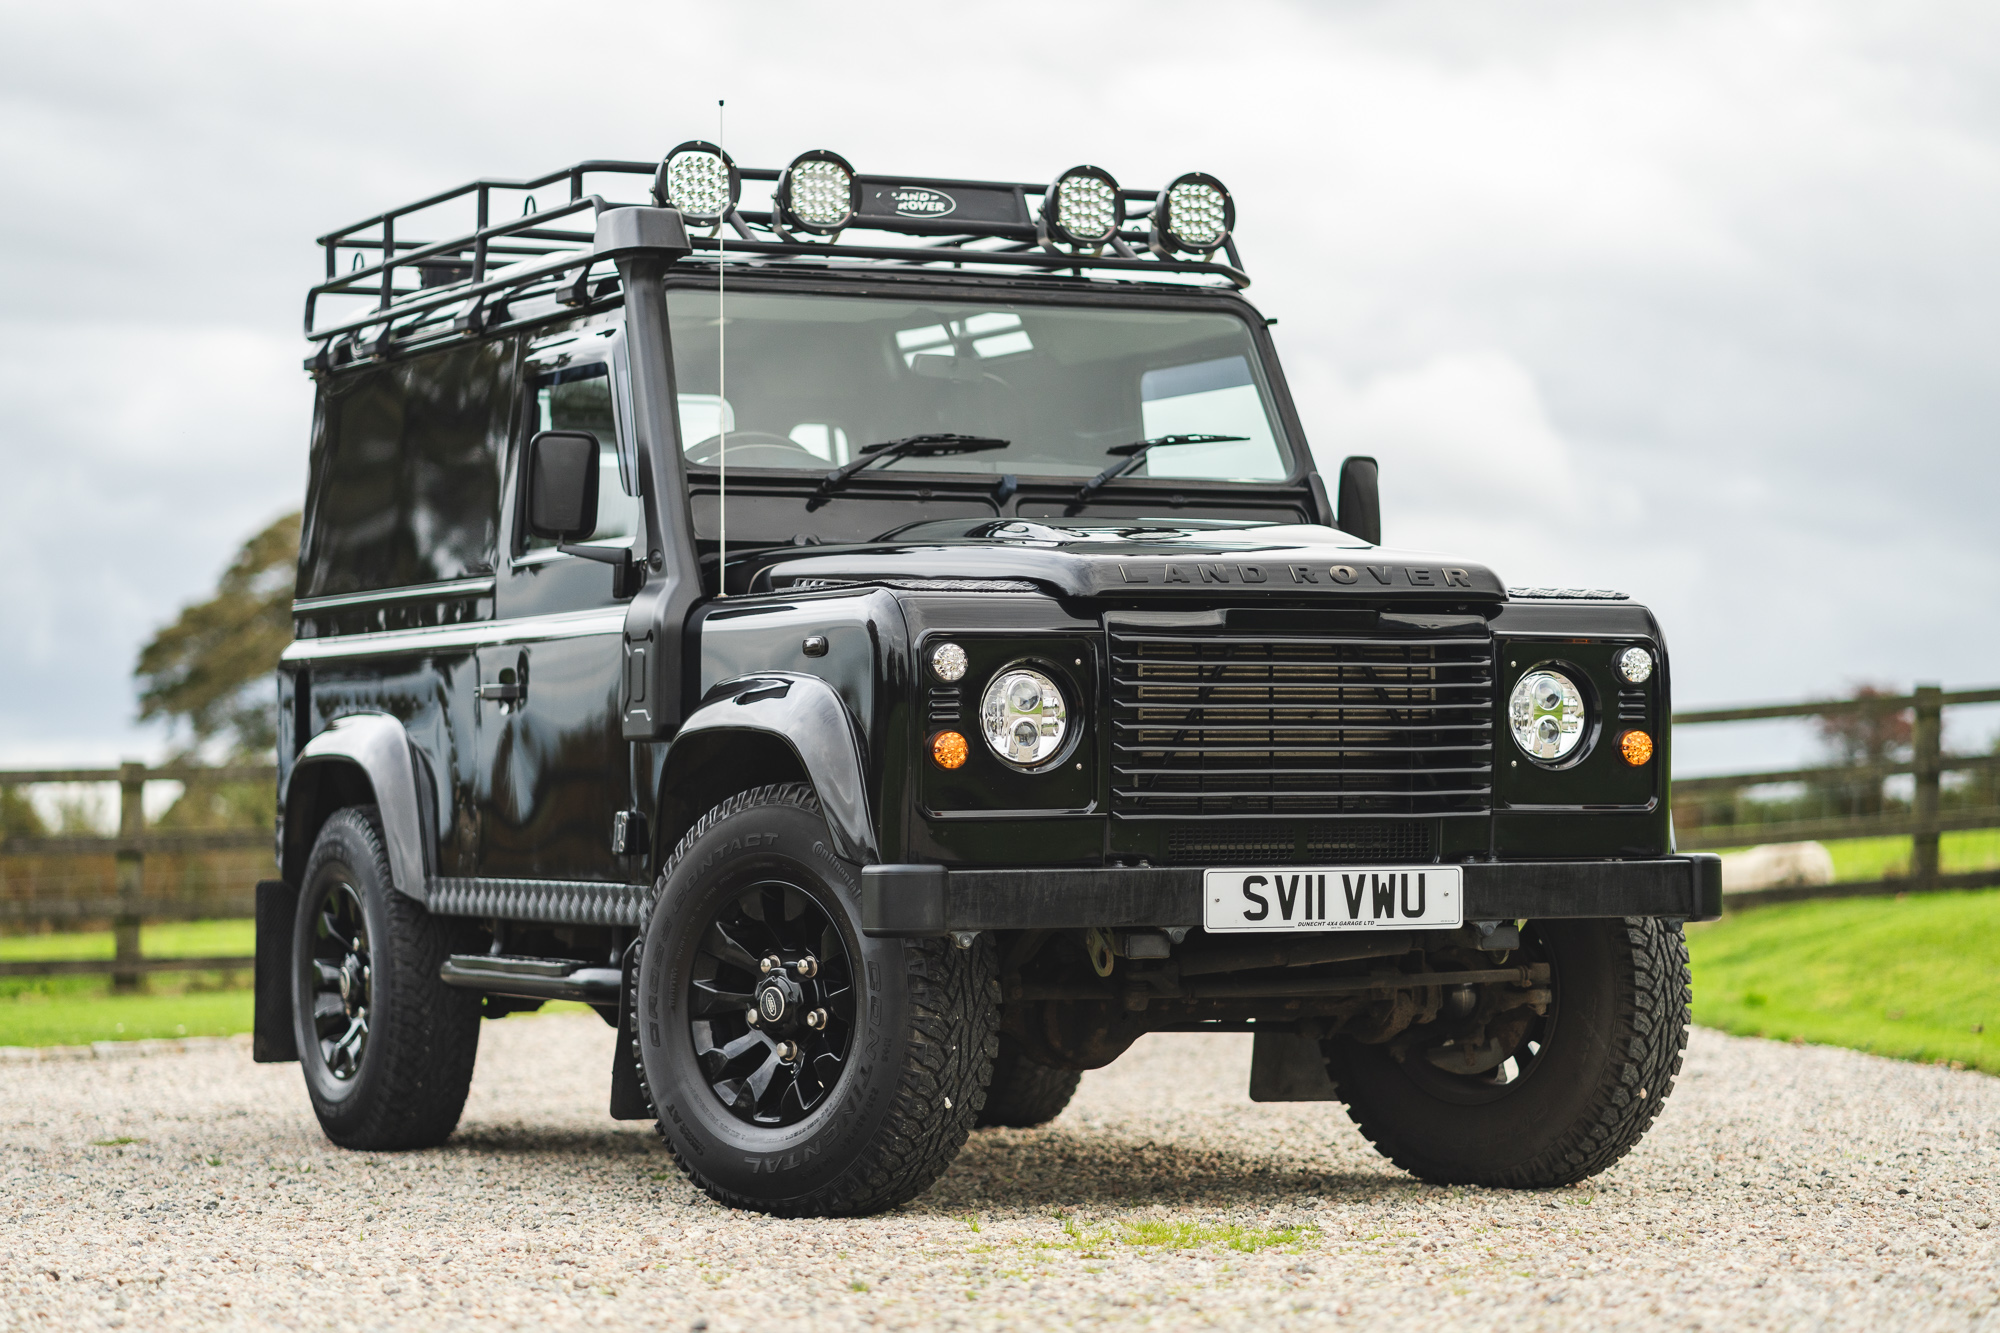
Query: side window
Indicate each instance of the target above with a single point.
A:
(405, 484)
(580, 399)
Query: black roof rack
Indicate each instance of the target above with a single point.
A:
(410, 288)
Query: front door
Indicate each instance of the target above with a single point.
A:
(554, 767)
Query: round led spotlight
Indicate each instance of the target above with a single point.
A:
(1546, 714)
(1082, 208)
(1635, 664)
(699, 180)
(1193, 216)
(948, 660)
(1024, 717)
(818, 193)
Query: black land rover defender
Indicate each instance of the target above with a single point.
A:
(888, 650)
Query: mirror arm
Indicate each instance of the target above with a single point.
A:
(627, 576)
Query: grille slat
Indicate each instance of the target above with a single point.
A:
(1301, 842)
(1225, 723)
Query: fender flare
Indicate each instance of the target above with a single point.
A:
(378, 745)
(809, 717)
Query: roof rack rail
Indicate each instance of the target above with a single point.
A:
(410, 288)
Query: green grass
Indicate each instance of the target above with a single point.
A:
(1889, 858)
(179, 939)
(1914, 977)
(75, 1010)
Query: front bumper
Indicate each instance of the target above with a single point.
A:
(918, 900)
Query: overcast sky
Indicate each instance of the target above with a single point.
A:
(1694, 300)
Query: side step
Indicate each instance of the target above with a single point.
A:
(533, 978)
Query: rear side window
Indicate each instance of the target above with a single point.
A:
(405, 485)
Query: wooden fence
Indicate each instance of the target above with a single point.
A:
(1922, 822)
(127, 899)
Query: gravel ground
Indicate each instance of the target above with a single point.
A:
(1783, 1187)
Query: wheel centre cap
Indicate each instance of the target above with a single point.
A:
(776, 997)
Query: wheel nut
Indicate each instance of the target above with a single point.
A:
(750, 1017)
(788, 1051)
(816, 1019)
(771, 964)
(808, 966)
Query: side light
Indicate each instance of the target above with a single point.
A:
(1193, 216)
(1546, 715)
(1635, 664)
(1635, 748)
(1082, 208)
(818, 193)
(699, 180)
(949, 749)
(948, 661)
(1024, 717)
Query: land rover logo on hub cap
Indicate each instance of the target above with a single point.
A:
(913, 202)
(771, 1003)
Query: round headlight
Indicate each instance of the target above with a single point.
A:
(1023, 717)
(698, 179)
(1635, 664)
(1082, 207)
(818, 192)
(948, 660)
(1193, 216)
(1546, 714)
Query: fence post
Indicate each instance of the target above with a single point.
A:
(1927, 739)
(131, 873)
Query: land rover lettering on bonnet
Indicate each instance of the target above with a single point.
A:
(885, 643)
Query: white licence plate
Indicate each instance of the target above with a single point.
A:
(1334, 898)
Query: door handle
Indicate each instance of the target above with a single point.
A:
(502, 693)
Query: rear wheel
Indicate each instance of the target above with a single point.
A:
(798, 1067)
(386, 1047)
(1024, 1094)
(1578, 1088)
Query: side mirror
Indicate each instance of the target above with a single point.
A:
(562, 485)
(1360, 500)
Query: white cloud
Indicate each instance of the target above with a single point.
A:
(1727, 262)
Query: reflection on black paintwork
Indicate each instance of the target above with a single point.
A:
(405, 482)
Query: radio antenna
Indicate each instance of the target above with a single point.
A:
(721, 388)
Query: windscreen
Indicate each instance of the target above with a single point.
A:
(811, 379)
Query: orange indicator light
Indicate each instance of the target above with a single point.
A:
(948, 748)
(1636, 747)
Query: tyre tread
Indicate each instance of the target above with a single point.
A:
(429, 1039)
(955, 1011)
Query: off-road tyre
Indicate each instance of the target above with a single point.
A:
(408, 1086)
(1024, 1094)
(1613, 1046)
(924, 1033)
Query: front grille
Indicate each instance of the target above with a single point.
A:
(1323, 842)
(1228, 723)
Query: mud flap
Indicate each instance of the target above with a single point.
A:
(1285, 1067)
(272, 1040)
(628, 1092)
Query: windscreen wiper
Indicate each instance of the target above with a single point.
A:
(910, 446)
(1135, 454)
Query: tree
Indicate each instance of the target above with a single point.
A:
(213, 669)
(1879, 732)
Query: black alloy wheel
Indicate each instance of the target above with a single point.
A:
(771, 1003)
(794, 1065)
(386, 1047)
(342, 978)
